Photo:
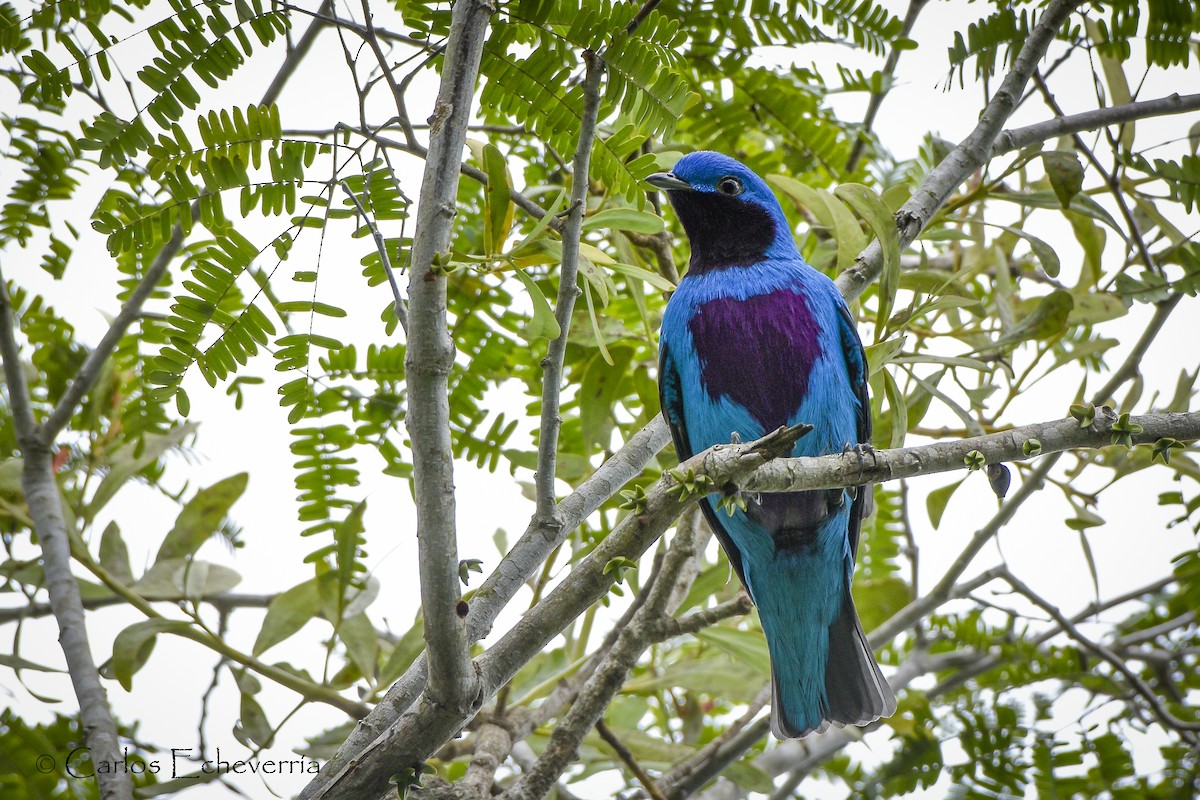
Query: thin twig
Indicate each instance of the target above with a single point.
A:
(889, 69)
(568, 290)
(629, 760)
(972, 153)
(381, 246)
(1110, 180)
(1187, 730)
(372, 40)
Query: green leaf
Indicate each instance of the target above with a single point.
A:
(114, 556)
(1046, 321)
(652, 278)
(348, 535)
(596, 332)
(830, 212)
(288, 613)
(937, 500)
(879, 218)
(202, 517)
(129, 460)
(897, 409)
(1065, 174)
(1092, 308)
(624, 219)
(404, 653)
(1084, 519)
(881, 353)
(133, 646)
(16, 663)
(1091, 238)
(542, 325)
(1043, 252)
(498, 211)
(536, 232)
(747, 647)
(253, 723)
(362, 646)
(178, 578)
(598, 393)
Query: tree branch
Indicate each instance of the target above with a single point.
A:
(588, 708)
(45, 507)
(627, 758)
(428, 360)
(417, 734)
(224, 603)
(889, 69)
(972, 153)
(1016, 138)
(827, 472)
(568, 289)
(509, 576)
(1188, 730)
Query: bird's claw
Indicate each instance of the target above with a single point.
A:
(861, 451)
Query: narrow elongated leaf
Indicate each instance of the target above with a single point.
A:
(748, 647)
(114, 556)
(201, 517)
(288, 613)
(133, 646)
(498, 199)
(1047, 320)
(868, 206)
(542, 325)
(624, 219)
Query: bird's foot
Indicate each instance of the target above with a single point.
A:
(735, 438)
(861, 451)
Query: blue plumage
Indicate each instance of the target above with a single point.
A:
(755, 338)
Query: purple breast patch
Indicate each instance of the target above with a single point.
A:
(758, 352)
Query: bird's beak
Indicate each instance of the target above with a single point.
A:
(668, 181)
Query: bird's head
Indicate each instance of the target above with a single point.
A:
(730, 215)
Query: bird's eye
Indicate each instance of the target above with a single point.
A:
(729, 185)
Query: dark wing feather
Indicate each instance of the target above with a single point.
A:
(856, 365)
(670, 395)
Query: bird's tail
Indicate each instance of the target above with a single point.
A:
(854, 691)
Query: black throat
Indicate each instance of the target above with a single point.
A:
(723, 231)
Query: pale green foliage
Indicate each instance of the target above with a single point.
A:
(977, 314)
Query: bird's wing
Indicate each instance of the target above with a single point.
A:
(856, 366)
(670, 395)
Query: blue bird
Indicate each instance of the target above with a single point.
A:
(753, 339)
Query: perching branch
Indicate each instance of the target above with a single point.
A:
(428, 361)
(568, 289)
(971, 154)
(1018, 444)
